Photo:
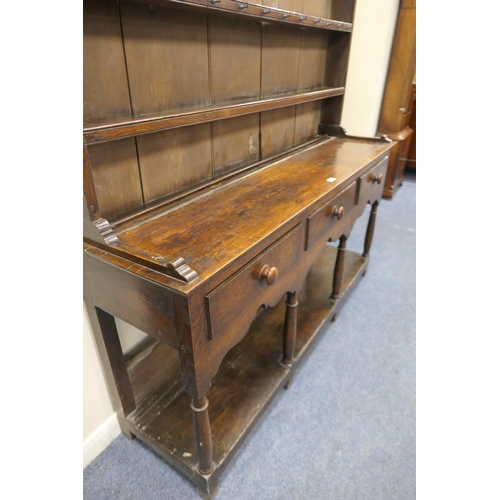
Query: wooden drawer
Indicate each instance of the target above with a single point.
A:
(233, 305)
(331, 220)
(371, 184)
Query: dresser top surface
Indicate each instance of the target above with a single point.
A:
(221, 225)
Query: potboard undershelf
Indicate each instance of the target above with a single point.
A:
(249, 378)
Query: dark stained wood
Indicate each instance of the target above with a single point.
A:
(370, 230)
(90, 206)
(277, 129)
(396, 105)
(105, 89)
(110, 352)
(251, 376)
(116, 177)
(115, 292)
(371, 184)
(147, 125)
(338, 272)
(202, 435)
(249, 290)
(235, 143)
(292, 185)
(165, 48)
(290, 329)
(410, 159)
(313, 48)
(254, 10)
(174, 160)
(156, 364)
(234, 60)
(324, 225)
(209, 210)
(307, 119)
(343, 10)
(280, 59)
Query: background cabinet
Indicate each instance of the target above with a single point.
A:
(397, 104)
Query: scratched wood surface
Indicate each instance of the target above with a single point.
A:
(105, 89)
(116, 176)
(222, 235)
(174, 159)
(235, 143)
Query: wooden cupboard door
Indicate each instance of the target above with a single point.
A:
(105, 88)
(235, 60)
(115, 173)
(167, 58)
(174, 160)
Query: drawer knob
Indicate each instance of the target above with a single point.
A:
(270, 274)
(377, 179)
(337, 212)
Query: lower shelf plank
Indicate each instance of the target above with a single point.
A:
(249, 378)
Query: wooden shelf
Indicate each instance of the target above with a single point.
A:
(130, 127)
(256, 11)
(249, 378)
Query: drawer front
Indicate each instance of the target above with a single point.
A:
(232, 306)
(372, 183)
(332, 219)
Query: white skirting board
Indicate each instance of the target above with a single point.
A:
(100, 439)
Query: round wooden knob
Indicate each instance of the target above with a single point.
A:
(270, 274)
(377, 179)
(337, 212)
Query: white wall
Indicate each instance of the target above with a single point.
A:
(374, 26)
(370, 51)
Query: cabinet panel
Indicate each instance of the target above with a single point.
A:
(105, 90)
(235, 143)
(277, 129)
(280, 59)
(313, 48)
(307, 120)
(167, 58)
(174, 160)
(116, 176)
(235, 51)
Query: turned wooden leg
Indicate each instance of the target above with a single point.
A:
(370, 230)
(290, 331)
(339, 269)
(202, 435)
